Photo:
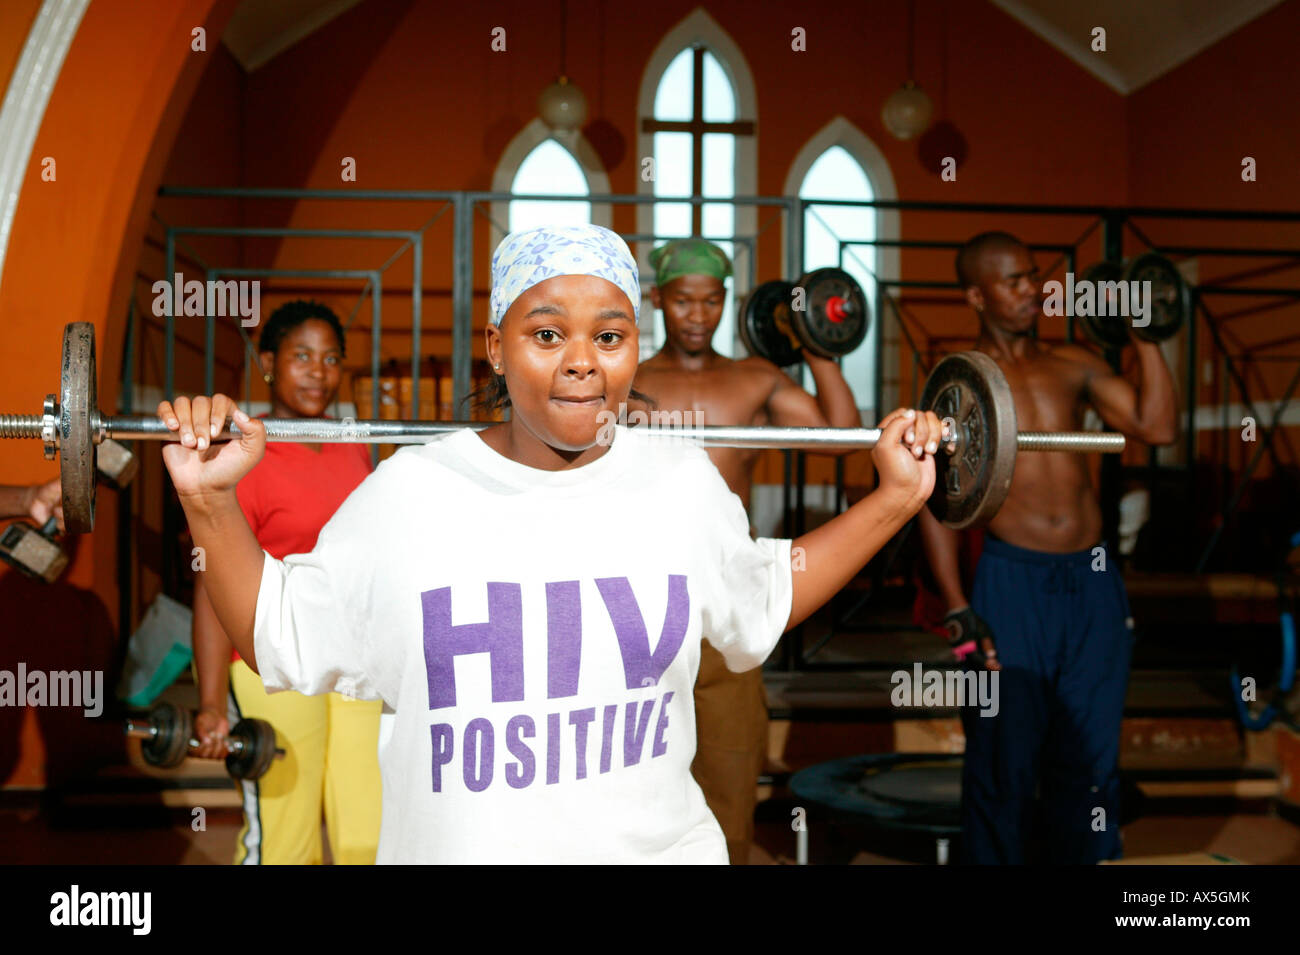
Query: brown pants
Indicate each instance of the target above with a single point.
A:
(731, 740)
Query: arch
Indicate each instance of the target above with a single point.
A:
(699, 28)
(25, 100)
(840, 132)
(518, 149)
(137, 64)
(71, 255)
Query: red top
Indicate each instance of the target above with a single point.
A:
(294, 491)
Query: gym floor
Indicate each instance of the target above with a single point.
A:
(32, 836)
(133, 813)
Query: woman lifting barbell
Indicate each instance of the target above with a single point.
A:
(509, 745)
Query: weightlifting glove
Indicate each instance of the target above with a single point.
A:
(967, 633)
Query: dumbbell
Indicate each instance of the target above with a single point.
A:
(33, 550)
(168, 736)
(824, 313)
(115, 463)
(1170, 300)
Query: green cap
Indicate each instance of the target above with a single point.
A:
(688, 257)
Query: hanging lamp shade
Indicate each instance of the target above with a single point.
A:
(562, 105)
(907, 111)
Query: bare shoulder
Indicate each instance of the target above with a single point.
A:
(653, 365)
(1084, 358)
(758, 368)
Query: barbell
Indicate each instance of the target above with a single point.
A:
(966, 389)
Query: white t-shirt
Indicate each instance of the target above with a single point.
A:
(537, 634)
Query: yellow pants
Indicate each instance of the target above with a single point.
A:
(331, 761)
(731, 741)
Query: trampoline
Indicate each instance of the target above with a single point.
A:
(907, 792)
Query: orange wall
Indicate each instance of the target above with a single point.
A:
(109, 125)
(16, 18)
(1241, 92)
(205, 153)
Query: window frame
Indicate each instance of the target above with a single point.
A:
(883, 339)
(521, 147)
(699, 29)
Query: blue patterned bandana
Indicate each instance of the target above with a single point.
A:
(523, 259)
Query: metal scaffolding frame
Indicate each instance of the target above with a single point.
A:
(1112, 222)
(466, 206)
(414, 239)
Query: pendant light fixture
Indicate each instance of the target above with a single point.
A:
(562, 106)
(908, 110)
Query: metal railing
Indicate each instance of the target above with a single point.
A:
(890, 290)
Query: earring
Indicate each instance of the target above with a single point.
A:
(496, 368)
(268, 378)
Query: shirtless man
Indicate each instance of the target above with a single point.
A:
(688, 375)
(1048, 607)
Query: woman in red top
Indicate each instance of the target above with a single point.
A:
(330, 741)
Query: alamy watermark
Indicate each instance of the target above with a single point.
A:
(946, 688)
(658, 420)
(236, 299)
(130, 909)
(83, 688)
(1086, 298)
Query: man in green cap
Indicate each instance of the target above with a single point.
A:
(687, 375)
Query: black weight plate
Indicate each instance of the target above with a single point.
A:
(1110, 330)
(258, 749)
(77, 396)
(1171, 301)
(170, 744)
(821, 331)
(763, 318)
(971, 484)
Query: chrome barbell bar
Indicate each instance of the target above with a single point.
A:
(349, 431)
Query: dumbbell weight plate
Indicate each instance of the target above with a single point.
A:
(33, 552)
(257, 750)
(78, 389)
(1171, 301)
(765, 323)
(116, 462)
(1109, 330)
(971, 484)
(834, 319)
(173, 727)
